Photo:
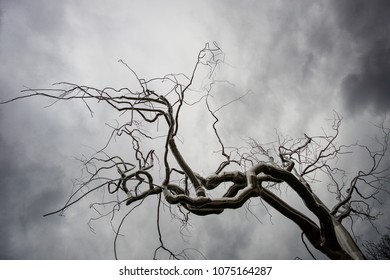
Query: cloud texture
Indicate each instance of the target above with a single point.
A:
(297, 60)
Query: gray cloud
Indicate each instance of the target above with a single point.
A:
(291, 57)
(370, 87)
(26, 196)
(367, 26)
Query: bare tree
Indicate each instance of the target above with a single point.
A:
(156, 166)
(379, 250)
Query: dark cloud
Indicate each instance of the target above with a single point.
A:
(370, 87)
(30, 188)
(287, 54)
(367, 25)
(289, 57)
(28, 191)
(366, 21)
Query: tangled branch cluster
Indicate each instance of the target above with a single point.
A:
(293, 162)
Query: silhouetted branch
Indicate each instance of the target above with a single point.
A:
(153, 164)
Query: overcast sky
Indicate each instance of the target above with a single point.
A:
(300, 60)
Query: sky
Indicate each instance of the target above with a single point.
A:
(295, 62)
